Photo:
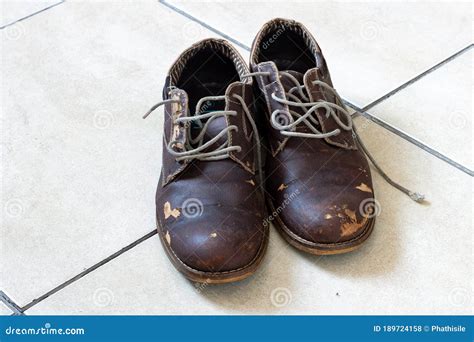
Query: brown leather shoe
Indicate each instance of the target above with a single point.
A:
(209, 203)
(318, 180)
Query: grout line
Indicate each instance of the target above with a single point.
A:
(409, 138)
(416, 78)
(363, 111)
(203, 24)
(17, 311)
(32, 14)
(89, 270)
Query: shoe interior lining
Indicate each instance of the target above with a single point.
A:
(206, 69)
(288, 44)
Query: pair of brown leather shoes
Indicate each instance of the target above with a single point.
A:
(235, 137)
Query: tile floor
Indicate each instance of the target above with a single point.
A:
(79, 166)
(4, 310)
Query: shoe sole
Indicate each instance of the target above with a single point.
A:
(320, 248)
(214, 277)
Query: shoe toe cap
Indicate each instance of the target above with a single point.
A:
(328, 219)
(219, 239)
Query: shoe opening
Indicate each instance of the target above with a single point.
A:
(207, 69)
(288, 44)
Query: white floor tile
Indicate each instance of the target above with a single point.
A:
(4, 310)
(80, 166)
(12, 10)
(418, 260)
(437, 109)
(371, 47)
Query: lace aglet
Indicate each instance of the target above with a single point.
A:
(146, 114)
(417, 197)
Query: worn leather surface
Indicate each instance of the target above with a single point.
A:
(323, 187)
(210, 213)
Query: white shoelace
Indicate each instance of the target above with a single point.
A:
(195, 148)
(279, 120)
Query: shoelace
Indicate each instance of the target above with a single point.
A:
(331, 109)
(194, 148)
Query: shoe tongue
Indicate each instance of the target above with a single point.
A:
(313, 74)
(215, 126)
(317, 93)
(287, 82)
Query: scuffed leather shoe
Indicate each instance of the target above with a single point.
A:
(318, 180)
(209, 203)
